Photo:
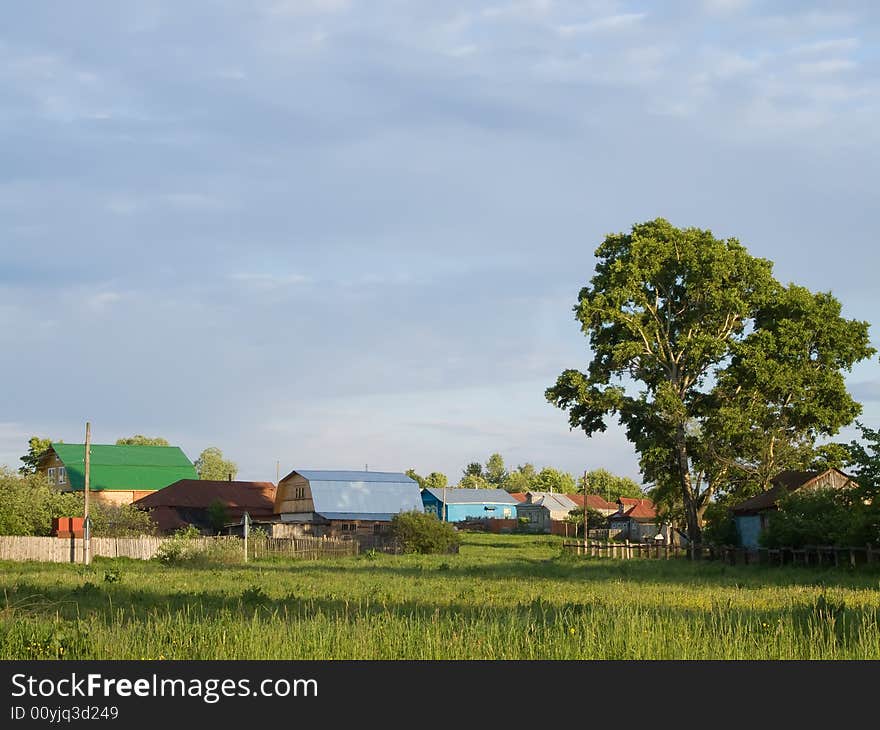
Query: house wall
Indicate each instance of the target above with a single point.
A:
(748, 528)
(538, 517)
(49, 466)
(50, 461)
(294, 494)
(461, 512)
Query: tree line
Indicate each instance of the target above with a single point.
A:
(494, 474)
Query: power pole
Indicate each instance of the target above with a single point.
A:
(586, 526)
(444, 503)
(87, 528)
(277, 472)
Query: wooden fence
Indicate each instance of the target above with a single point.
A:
(70, 550)
(818, 555)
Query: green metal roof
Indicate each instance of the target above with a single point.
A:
(125, 467)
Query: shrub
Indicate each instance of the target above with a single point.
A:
(720, 527)
(421, 532)
(120, 521)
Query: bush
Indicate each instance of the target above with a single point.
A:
(183, 547)
(823, 517)
(421, 532)
(110, 520)
(720, 527)
(28, 504)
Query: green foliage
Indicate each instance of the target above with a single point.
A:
(110, 520)
(864, 459)
(420, 532)
(472, 481)
(610, 486)
(737, 374)
(185, 548)
(435, 480)
(495, 471)
(218, 515)
(823, 516)
(554, 480)
(473, 469)
(521, 479)
(141, 440)
(411, 473)
(212, 466)
(28, 504)
(36, 448)
(720, 527)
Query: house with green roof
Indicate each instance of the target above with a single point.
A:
(117, 474)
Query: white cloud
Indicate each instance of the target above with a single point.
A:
(308, 7)
(725, 6)
(827, 66)
(102, 301)
(833, 45)
(266, 282)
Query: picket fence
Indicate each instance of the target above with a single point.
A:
(70, 550)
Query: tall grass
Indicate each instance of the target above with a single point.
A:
(502, 597)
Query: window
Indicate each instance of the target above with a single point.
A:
(378, 528)
(62, 475)
(300, 493)
(347, 526)
(507, 512)
(51, 475)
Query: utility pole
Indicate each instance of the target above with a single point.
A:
(586, 526)
(246, 528)
(87, 526)
(444, 503)
(277, 472)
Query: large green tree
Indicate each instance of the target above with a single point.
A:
(676, 320)
(521, 479)
(212, 466)
(495, 472)
(864, 461)
(610, 486)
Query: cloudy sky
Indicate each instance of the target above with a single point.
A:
(339, 232)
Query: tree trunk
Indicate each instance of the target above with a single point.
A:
(687, 494)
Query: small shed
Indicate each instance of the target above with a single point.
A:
(465, 504)
(345, 503)
(751, 515)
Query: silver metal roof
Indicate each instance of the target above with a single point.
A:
(455, 495)
(355, 496)
(370, 516)
(352, 476)
(553, 501)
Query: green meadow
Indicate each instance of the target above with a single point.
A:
(502, 597)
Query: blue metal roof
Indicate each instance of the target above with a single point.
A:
(455, 495)
(352, 476)
(360, 494)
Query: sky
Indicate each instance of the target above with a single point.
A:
(332, 233)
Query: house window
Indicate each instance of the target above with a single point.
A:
(300, 493)
(62, 475)
(347, 526)
(51, 475)
(506, 512)
(378, 528)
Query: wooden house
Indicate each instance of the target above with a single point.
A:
(751, 515)
(192, 502)
(469, 504)
(542, 509)
(345, 503)
(117, 474)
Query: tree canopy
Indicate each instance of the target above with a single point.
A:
(141, 440)
(36, 447)
(719, 374)
(212, 466)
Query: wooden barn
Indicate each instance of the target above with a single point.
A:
(752, 514)
(345, 503)
(118, 474)
(197, 502)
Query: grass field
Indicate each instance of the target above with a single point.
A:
(502, 597)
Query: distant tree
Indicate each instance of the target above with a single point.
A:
(521, 479)
(610, 486)
(218, 515)
(435, 480)
(411, 473)
(212, 466)
(864, 461)
(554, 480)
(36, 448)
(474, 469)
(495, 472)
(140, 440)
(470, 481)
(594, 519)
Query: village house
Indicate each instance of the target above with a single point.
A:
(118, 475)
(636, 520)
(344, 503)
(541, 509)
(469, 504)
(197, 502)
(751, 515)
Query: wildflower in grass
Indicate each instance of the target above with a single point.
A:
(571, 630)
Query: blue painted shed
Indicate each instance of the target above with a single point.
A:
(463, 504)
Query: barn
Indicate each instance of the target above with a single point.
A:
(469, 504)
(345, 503)
(751, 515)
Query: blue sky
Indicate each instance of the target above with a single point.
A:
(331, 232)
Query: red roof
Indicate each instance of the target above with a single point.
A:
(638, 509)
(258, 498)
(594, 501)
(518, 496)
